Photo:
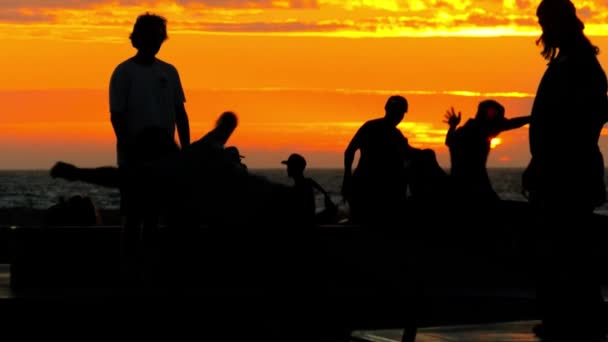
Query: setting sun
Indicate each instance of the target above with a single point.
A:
(495, 142)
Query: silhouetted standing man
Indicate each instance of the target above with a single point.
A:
(565, 175)
(144, 92)
(377, 189)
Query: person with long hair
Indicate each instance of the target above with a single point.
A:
(565, 176)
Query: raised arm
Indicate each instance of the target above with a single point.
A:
(453, 120)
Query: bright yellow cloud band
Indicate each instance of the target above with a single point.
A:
(354, 18)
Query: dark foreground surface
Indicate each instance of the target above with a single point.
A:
(274, 283)
(52, 318)
(266, 283)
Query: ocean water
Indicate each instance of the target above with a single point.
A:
(36, 189)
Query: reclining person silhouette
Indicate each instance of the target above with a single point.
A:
(198, 184)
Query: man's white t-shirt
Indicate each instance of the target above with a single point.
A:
(148, 95)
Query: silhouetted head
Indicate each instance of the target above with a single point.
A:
(395, 109)
(295, 165)
(153, 143)
(234, 154)
(490, 111)
(427, 179)
(561, 28)
(149, 33)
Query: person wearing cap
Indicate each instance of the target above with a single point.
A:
(235, 156)
(565, 176)
(376, 190)
(305, 191)
(469, 147)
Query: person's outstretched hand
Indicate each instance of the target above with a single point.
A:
(451, 118)
(63, 170)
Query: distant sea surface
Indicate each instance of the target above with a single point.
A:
(37, 190)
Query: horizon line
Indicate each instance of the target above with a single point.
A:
(347, 91)
(267, 168)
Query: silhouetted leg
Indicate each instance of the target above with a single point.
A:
(355, 215)
(569, 294)
(409, 333)
(131, 236)
(150, 241)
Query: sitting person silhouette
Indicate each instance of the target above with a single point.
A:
(470, 146)
(305, 196)
(429, 185)
(235, 156)
(75, 211)
(377, 189)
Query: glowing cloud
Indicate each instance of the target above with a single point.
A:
(350, 18)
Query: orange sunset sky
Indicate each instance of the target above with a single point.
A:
(302, 75)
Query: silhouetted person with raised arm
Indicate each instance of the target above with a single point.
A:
(565, 176)
(156, 149)
(469, 147)
(376, 191)
(305, 191)
(202, 179)
(144, 92)
(152, 144)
